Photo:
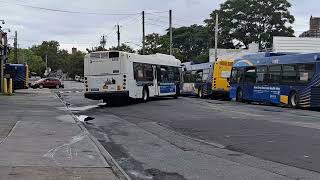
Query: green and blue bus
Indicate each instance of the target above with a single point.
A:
(292, 79)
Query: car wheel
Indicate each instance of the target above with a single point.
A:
(41, 86)
(293, 100)
(145, 95)
(239, 97)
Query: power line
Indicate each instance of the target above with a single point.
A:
(72, 12)
(176, 19)
(153, 24)
(157, 20)
(132, 21)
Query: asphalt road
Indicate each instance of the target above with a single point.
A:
(191, 138)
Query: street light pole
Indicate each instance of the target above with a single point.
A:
(170, 29)
(3, 42)
(216, 38)
(15, 44)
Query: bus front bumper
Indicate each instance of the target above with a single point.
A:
(105, 95)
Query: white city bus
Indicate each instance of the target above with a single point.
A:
(114, 73)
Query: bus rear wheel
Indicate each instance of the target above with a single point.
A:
(239, 97)
(145, 94)
(293, 100)
(200, 93)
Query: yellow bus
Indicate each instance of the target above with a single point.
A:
(206, 79)
(221, 74)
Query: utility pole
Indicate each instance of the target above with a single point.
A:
(216, 38)
(143, 34)
(170, 27)
(103, 42)
(118, 33)
(3, 55)
(46, 61)
(15, 44)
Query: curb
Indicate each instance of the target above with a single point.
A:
(122, 175)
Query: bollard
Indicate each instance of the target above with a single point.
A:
(10, 88)
(5, 86)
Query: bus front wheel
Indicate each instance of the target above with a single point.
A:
(177, 92)
(293, 100)
(239, 95)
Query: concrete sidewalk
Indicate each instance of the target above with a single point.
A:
(39, 139)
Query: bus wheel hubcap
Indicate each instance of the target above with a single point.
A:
(239, 95)
(145, 95)
(294, 100)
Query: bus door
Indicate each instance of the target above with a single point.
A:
(274, 83)
(249, 80)
(155, 80)
(261, 91)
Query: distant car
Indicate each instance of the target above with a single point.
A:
(48, 83)
(33, 79)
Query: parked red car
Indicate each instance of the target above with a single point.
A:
(48, 83)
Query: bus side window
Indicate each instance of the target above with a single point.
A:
(250, 76)
(262, 75)
(198, 76)
(205, 75)
(289, 74)
(275, 74)
(164, 74)
(143, 72)
(236, 76)
(305, 72)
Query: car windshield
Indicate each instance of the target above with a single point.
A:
(160, 89)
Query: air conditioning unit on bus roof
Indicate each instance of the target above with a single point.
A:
(296, 44)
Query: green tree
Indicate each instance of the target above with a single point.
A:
(74, 64)
(51, 50)
(155, 43)
(34, 62)
(242, 22)
(189, 43)
(123, 47)
(192, 42)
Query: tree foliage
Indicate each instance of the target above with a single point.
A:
(74, 64)
(27, 56)
(49, 49)
(242, 22)
(189, 43)
(58, 59)
(123, 47)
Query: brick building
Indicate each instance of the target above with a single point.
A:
(314, 29)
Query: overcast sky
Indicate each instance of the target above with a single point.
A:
(97, 17)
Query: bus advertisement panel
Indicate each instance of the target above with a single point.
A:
(291, 79)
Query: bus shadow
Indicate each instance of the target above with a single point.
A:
(131, 102)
